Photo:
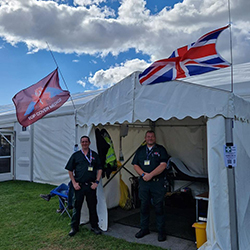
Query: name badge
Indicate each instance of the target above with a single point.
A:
(90, 168)
(146, 162)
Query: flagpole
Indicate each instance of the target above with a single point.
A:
(234, 238)
(61, 75)
(231, 43)
(76, 126)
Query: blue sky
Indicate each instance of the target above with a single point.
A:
(96, 43)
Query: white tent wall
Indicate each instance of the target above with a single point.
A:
(54, 140)
(242, 175)
(23, 153)
(185, 139)
(218, 228)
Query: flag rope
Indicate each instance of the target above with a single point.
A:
(61, 76)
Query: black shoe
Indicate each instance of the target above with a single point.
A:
(142, 233)
(162, 236)
(45, 196)
(96, 230)
(73, 231)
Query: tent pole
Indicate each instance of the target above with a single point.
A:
(232, 190)
(120, 170)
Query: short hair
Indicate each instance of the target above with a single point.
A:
(150, 132)
(84, 136)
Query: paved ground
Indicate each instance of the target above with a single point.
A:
(128, 233)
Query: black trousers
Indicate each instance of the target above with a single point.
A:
(91, 199)
(152, 192)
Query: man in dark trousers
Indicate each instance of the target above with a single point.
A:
(85, 172)
(149, 162)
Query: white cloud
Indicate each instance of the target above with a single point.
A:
(88, 28)
(81, 83)
(75, 61)
(107, 78)
(87, 2)
(95, 30)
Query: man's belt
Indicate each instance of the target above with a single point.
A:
(85, 183)
(156, 179)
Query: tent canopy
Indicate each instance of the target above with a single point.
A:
(221, 79)
(129, 101)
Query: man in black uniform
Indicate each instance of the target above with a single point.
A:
(149, 162)
(85, 172)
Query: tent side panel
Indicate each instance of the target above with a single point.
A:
(54, 140)
(185, 143)
(218, 228)
(241, 133)
(23, 154)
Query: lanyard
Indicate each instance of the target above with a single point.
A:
(148, 152)
(90, 156)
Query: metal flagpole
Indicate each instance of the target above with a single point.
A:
(61, 75)
(230, 168)
(231, 44)
(68, 90)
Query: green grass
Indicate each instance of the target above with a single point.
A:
(29, 222)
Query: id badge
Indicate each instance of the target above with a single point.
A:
(146, 162)
(90, 168)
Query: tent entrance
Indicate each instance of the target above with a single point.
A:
(6, 154)
(184, 139)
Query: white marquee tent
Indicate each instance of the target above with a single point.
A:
(189, 121)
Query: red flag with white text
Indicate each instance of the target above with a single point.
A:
(40, 99)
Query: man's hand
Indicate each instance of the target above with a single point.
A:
(147, 177)
(94, 185)
(76, 186)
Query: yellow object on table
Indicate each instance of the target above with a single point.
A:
(200, 232)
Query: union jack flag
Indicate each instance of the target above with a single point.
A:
(194, 59)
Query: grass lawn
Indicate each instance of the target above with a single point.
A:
(29, 222)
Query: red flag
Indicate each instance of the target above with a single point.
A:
(40, 99)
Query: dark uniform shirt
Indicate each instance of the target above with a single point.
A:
(148, 160)
(83, 170)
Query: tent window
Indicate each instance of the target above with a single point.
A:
(5, 154)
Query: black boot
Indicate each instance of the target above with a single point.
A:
(142, 233)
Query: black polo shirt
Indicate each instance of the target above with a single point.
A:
(81, 166)
(154, 157)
